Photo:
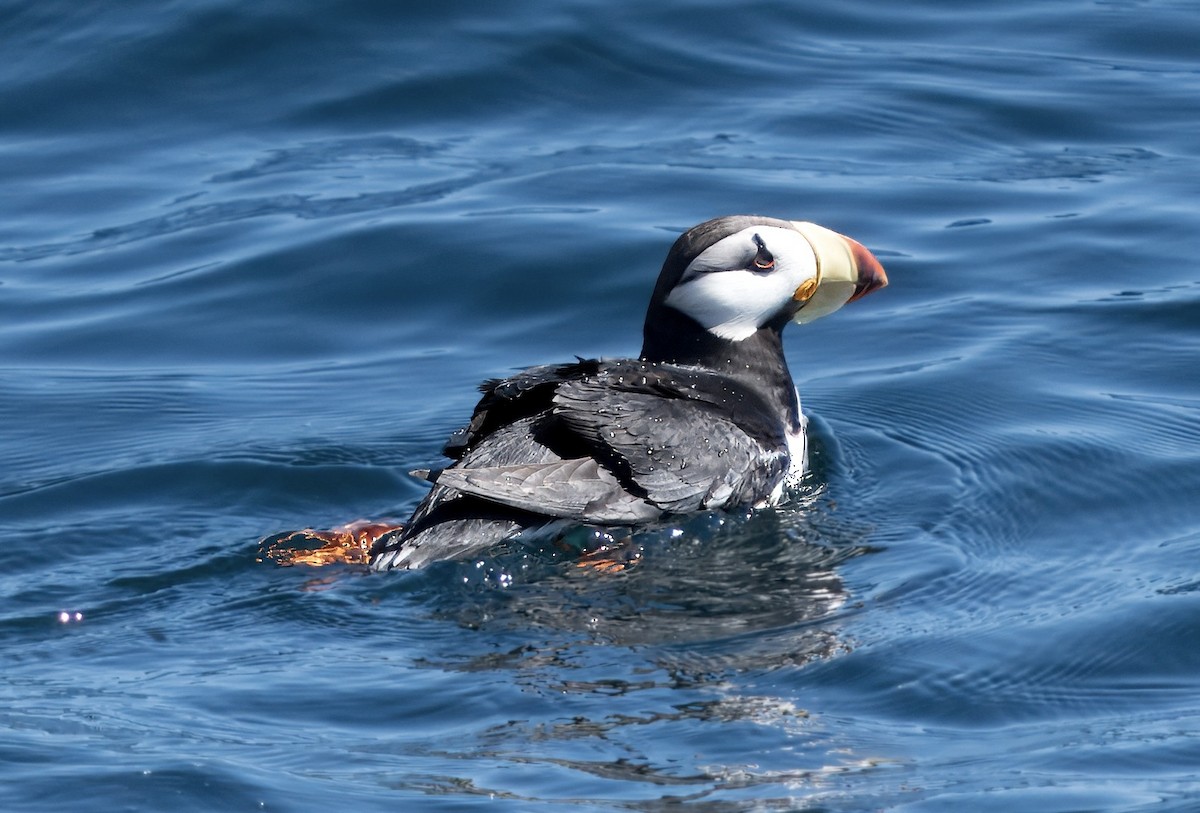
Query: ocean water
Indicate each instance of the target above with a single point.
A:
(254, 258)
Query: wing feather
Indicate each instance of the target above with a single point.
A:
(507, 400)
(688, 439)
(579, 488)
(621, 442)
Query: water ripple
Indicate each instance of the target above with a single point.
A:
(694, 152)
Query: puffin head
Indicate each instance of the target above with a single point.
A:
(739, 275)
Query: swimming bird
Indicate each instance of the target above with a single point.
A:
(706, 417)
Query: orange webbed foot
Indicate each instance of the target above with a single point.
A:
(346, 544)
(612, 557)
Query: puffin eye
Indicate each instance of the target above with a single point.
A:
(763, 260)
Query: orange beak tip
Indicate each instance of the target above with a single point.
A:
(871, 276)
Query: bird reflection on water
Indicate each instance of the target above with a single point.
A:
(719, 610)
(714, 614)
(708, 577)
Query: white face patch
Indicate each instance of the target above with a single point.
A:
(724, 291)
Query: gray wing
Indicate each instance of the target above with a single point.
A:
(578, 488)
(682, 447)
(506, 401)
(452, 524)
(627, 444)
(621, 443)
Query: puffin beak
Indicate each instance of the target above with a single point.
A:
(846, 271)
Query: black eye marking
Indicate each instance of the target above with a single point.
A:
(763, 260)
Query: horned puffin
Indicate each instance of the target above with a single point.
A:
(706, 417)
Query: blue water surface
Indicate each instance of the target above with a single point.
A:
(254, 258)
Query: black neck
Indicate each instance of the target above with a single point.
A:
(756, 362)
